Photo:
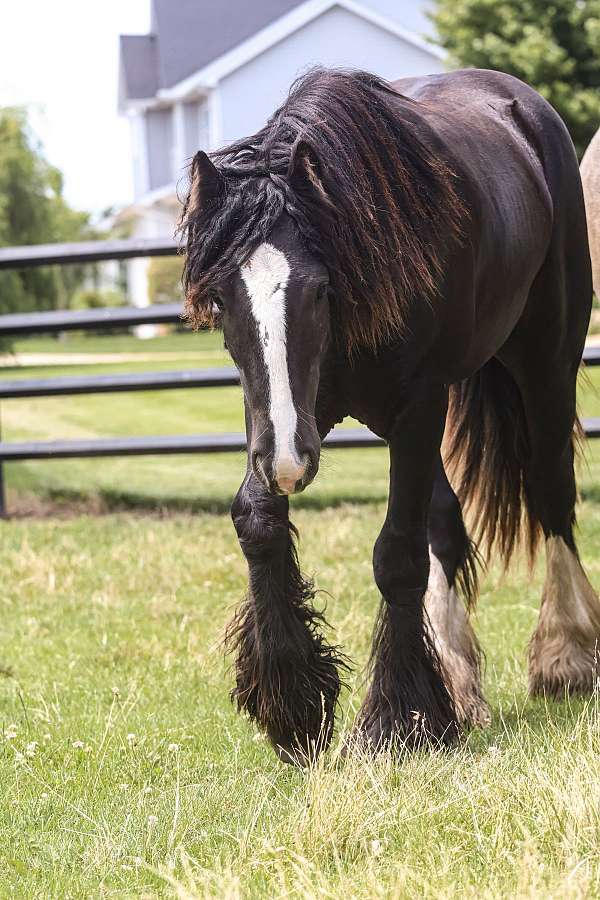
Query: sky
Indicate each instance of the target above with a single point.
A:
(60, 59)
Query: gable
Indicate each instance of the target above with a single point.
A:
(193, 33)
(200, 41)
(338, 37)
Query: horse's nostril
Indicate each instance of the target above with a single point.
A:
(311, 465)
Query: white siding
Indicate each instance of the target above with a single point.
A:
(408, 14)
(336, 38)
(195, 125)
(159, 134)
(140, 160)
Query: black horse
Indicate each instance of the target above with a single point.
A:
(414, 255)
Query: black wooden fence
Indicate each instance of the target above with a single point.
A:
(54, 322)
(60, 321)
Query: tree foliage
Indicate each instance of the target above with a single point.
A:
(553, 45)
(33, 211)
(164, 279)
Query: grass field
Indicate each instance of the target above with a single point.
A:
(124, 771)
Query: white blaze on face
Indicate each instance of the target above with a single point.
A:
(266, 276)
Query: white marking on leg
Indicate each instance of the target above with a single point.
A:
(456, 645)
(565, 647)
(266, 276)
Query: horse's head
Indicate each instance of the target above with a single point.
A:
(276, 325)
(274, 312)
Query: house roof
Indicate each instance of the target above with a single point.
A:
(197, 42)
(186, 36)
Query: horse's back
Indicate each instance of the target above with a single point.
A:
(520, 176)
(491, 105)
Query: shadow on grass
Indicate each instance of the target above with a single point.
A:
(531, 718)
(65, 503)
(538, 714)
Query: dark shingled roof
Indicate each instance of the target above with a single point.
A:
(186, 36)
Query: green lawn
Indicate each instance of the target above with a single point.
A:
(124, 771)
(76, 342)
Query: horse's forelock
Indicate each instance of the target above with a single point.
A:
(342, 157)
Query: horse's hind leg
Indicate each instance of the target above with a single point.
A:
(563, 648)
(452, 559)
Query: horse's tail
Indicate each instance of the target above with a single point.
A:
(486, 448)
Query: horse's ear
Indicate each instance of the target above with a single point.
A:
(305, 169)
(206, 184)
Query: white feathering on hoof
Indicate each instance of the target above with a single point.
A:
(456, 645)
(564, 649)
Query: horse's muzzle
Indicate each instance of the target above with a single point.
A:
(289, 476)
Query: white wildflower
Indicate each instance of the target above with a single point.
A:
(376, 848)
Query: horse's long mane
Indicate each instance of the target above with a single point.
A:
(347, 158)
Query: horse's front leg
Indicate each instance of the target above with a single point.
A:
(286, 675)
(407, 702)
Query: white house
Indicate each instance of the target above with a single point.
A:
(211, 71)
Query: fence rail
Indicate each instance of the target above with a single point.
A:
(85, 320)
(165, 444)
(85, 252)
(107, 384)
(56, 321)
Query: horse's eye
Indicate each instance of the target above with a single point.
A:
(322, 291)
(218, 301)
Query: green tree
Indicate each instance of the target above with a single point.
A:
(33, 211)
(553, 45)
(164, 279)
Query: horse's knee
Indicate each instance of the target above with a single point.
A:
(260, 519)
(401, 567)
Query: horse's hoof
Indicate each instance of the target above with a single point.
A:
(299, 752)
(398, 739)
(292, 756)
